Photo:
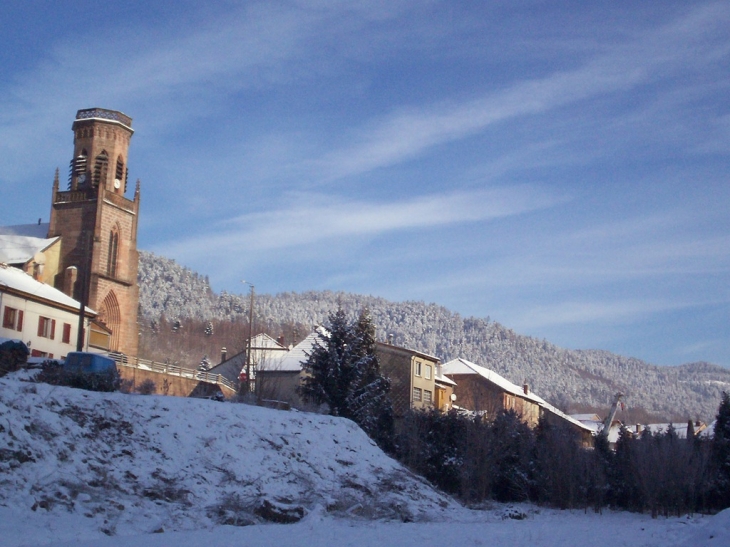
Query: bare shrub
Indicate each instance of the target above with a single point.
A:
(147, 387)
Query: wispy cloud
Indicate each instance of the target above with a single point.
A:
(309, 219)
(410, 131)
(579, 312)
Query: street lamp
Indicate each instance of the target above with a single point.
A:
(250, 338)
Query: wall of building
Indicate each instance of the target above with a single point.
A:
(400, 365)
(32, 312)
(279, 386)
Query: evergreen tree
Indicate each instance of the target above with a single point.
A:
(329, 367)
(209, 329)
(721, 453)
(368, 391)
(512, 443)
(343, 372)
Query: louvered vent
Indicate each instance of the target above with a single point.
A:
(101, 167)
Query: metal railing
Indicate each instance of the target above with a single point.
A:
(115, 115)
(173, 370)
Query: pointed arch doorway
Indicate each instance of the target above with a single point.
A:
(110, 315)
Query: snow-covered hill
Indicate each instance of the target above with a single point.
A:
(89, 469)
(122, 464)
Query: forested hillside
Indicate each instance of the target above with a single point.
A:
(574, 380)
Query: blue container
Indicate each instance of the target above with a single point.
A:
(89, 363)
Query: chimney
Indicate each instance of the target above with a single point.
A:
(224, 354)
(69, 280)
(280, 339)
(526, 388)
(390, 339)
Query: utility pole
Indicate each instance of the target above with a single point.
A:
(84, 290)
(250, 339)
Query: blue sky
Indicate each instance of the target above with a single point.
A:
(561, 167)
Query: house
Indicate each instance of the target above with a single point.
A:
(43, 317)
(263, 348)
(482, 390)
(412, 377)
(26, 247)
(278, 377)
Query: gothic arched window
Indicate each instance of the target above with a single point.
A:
(111, 264)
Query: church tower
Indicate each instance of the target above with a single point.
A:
(98, 225)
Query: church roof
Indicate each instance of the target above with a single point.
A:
(20, 243)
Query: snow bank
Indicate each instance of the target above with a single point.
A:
(84, 464)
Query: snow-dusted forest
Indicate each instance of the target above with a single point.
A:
(572, 379)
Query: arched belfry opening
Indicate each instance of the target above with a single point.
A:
(77, 174)
(101, 168)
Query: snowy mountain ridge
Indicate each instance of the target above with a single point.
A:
(571, 379)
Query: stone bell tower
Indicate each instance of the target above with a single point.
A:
(98, 225)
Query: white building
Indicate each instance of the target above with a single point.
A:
(43, 317)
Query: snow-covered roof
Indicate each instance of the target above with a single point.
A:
(292, 360)
(20, 243)
(264, 341)
(18, 280)
(420, 354)
(586, 417)
(462, 366)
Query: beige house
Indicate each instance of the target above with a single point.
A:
(413, 379)
(26, 247)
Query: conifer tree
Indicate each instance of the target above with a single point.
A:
(721, 453)
(329, 366)
(368, 393)
(343, 372)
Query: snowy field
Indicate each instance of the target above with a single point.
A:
(541, 528)
(82, 469)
